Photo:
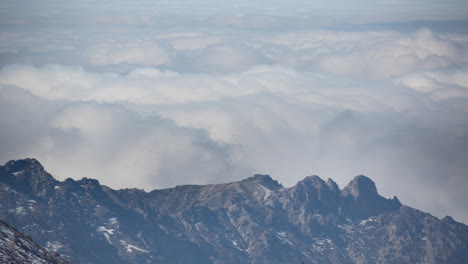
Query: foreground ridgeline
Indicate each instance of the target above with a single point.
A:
(16, 247)
(255, 220)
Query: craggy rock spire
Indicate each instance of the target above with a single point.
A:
(360, 199)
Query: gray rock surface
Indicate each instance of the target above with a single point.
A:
(255, 220)
(18, 248)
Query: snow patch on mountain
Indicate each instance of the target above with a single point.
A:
(130, 248)
(54, 246)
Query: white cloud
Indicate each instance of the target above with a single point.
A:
(238, 92)
(225, 58)
(364, 55)
(371, 55)
(269, 119)
(259, 14)
(135, 52)
(110, 143)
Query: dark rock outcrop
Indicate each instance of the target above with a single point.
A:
(362, 200)
(255, 220)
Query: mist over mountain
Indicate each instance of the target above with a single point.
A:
(154, 94)
(256, 220)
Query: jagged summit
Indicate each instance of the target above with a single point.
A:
(358, 199)
(255, 220)
(317, 183)
(361, 199)
(314, 179)
(21, 164)
(360, 186)
(332, 185)
(28, 175)
(264, 180)
(30, 169)
(259, 177)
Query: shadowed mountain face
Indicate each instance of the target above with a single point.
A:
(255, 220)
(15, 248)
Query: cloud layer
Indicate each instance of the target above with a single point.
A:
(151, 128)
(141, 102)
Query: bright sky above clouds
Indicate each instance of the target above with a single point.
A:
(153, 94)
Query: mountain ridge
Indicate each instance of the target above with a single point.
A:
(255, 220)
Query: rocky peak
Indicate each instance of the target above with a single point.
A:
(361, 199)
(315, 184)
(14, 166)
(264, 180)
(361, 186)
(29, 175)
(333, 186)
(312, 194)
(239, 222)
(314, 180)
(89, 183)
(28, 169)
(448, 219)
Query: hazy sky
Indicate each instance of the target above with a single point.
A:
(153, 94)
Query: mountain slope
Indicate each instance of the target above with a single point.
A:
(17, 248)
(255, 220)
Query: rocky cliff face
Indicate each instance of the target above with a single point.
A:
(256, 220)
(18, 248)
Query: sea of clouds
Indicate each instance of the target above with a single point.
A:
(137, 97)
